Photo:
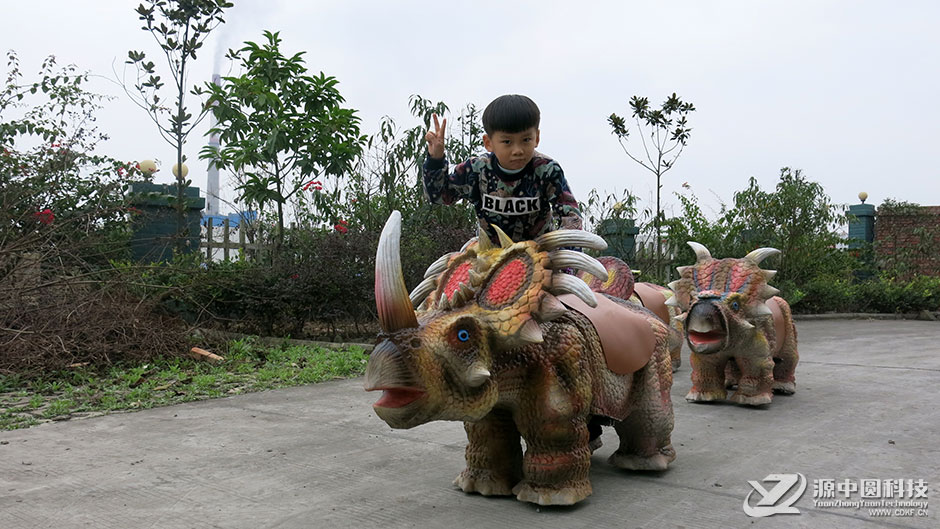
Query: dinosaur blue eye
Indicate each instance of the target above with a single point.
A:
(735, 305)
(463, 335)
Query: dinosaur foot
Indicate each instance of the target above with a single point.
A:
(706, 396)
(658, 461)
(785, 388)
(485, 483)
(752, 400)
(569, 494)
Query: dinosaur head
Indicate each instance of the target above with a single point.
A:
(436, 363)
(723, 298)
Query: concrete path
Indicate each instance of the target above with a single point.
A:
(867, 407)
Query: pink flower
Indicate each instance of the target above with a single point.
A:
(45, 216)
(340, 228)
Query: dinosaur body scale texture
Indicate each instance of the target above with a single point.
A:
(491, 345)
(740, 333)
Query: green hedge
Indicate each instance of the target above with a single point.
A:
(881, 294)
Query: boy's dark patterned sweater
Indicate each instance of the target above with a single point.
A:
(521, 204)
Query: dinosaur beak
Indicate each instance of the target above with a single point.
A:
(391, 297)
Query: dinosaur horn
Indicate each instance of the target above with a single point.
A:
(578, 260)
(422, 290)
(567, 284)
(467, 244)
(391, 297)
(760, 254)
(438, 266)
(504, 240)
(701, 252)
(579, 238)
(483, 240)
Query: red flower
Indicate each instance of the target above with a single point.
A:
(45, 216)
(295, 276)
(340, 228)
(344, 223)
(317, 185)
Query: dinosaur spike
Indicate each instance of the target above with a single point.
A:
(504, 240)
(438, 266)
(746, 325)
(477, 376)
(674, 285)
(463, 293)
(550, 308)
(701, 252)
(476, 278)
(568, 284)
(681, 317)
(531, 332)
(422, 290)
(760, 254)
(682, 269)
(761, 310)
(673, 301)
(467, 244)
(578, 260)
(577, 238)
(768, 274)
(768, 292)
(483, 240)
(443, 303)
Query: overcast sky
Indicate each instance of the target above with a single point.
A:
(846, 91)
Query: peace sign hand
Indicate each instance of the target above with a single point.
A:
(436, 138)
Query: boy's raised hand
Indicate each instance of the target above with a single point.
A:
(436, 138)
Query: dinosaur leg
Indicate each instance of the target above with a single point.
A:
(494, 456)
(754, 386)
(556, 463)
(785, 365)
(708, 378)
(732, 374)
(645, 434)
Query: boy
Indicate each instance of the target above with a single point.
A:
(511, 186)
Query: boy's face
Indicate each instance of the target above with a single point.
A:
(512, 149)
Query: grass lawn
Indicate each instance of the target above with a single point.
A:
(93, 391)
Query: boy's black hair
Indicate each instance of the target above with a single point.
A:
(510, 113)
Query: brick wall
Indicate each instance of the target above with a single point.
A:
(910, 238)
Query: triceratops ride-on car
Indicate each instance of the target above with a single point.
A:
(740, 332)
(508, 343)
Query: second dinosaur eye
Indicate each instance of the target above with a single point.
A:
(735, 305)
(463, 335)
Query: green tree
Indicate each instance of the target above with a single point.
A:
(281, 127)
(59, 197)
(388, 175)
(180, 27)
(663, 134)
(799, 219)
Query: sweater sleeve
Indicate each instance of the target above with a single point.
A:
(564, 205)
(443, 188)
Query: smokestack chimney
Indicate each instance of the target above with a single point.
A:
(212, 179)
